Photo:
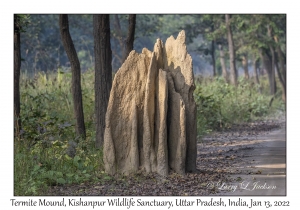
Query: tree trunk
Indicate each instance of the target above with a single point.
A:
(119, 37)
(245, 66)
(281, 64)
(222, 61)
(273, 61)
(17, 67)
(213, 57)
(212, 27)
(103, 72)
(267, 63)
(130, 36)
(281, 70)
(282, 83)
(255, 73)
(76, 74)
(233, 71)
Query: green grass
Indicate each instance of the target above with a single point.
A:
(47, 130)
(219, 105)
(40, 156)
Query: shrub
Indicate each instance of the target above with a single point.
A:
(42, 154)
(219, 104)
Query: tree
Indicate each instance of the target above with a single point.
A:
(275, 26)
(222, 61)
(264, 35)
(279, 33)
(17, 67)
(255, 73)
(42, 48)
(203, 25)
(233, 71)
(103, 72)
(213, 57)
(20, 23)
(244, 51)
(266, 44)
(245, 65)
(130, 36)
(76, 74)
(267, 62)
(281, 69)
(241, 40)
(208, 21)
(217, 33)
(117, 35)
(125, 45)
(273, 61)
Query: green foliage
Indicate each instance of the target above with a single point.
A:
(219, 104)
(42, 50)
(22, 21)
(41, 155)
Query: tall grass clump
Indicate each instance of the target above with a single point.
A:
(49, 152)
(219, 104)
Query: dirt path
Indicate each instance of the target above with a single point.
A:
(261, 168)
(266, 175)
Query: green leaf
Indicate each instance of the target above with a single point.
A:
(36, 168)
(51, 173)
(107, 178)
(61, 181)
(59, 174)
(76, 159)
(87, 175)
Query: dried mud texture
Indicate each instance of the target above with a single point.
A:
(179, 63)
(177, 129)
(150, 119)
(160, 137)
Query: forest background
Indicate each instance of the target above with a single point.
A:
(200, 52)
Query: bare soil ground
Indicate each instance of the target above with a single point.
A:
(224, 161)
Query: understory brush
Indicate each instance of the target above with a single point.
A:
(49, 152)
(219, 104)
